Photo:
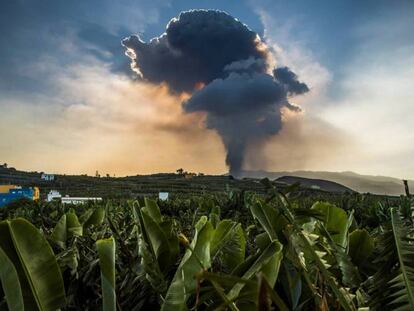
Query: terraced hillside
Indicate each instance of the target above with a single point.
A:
(321, 184)
(141, 185)
(130, 186)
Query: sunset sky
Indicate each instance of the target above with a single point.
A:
(70, 102)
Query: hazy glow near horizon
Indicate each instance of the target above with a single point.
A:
(67, 106)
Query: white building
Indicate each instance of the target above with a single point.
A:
(48, 177)
(53, 195)
(78, 200)
(163, 196)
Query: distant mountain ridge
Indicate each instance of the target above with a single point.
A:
(328, 181)
(357, 182)
(319, 184)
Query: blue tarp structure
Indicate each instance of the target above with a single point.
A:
(15, 194)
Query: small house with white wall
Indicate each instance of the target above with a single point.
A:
(48, 177)
(79, 200)
(163, 196)
(53, 195)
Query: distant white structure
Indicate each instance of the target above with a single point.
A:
(48, 177)
(316, 187)
(163, 196)
(53, 195)
(78, 200)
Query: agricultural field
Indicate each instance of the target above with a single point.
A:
(240, 250)
(206, 155)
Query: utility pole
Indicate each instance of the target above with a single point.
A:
(407, 190)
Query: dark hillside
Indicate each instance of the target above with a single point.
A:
(130, 186)
(320, 184)
(150, 185)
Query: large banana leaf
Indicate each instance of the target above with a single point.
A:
(39, 274)
(60, 233)
(67, 227)
(291, 281)
(7, 246)
(361, 246)
(229, 242)
(214, 216)
(162, 240)
(329, 211)
(93, 217)
(266, 291)
(268, 262)
(270, 270)
(239, 291)
(343, 297)
(402, 286)
(160, 235)
(269, 218)
(266, 266)
(393, 283)
(10, 283)
(196, 259)
(350, 275)
(335, 221)
(149, 260)
(152, 209)
(106, 252)
(74, 227)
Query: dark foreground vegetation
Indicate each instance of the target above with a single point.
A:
(281, 250)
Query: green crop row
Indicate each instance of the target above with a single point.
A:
(244, 252)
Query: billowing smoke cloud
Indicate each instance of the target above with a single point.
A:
(224, 66)
(287, 77)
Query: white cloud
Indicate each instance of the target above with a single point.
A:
(100, 120)
(372, 110)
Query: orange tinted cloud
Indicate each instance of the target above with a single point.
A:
(107, 123)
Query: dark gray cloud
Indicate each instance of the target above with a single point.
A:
(64, 33)
(195, 48)
(238, 93)
(242, 108)
(247, 65)
(241, 98)
(290, 80)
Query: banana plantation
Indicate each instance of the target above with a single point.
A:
(241, 251)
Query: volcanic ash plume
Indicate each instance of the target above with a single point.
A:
(241, 95)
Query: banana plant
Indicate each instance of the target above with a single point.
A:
(228, 244)
(67, 227)
(393, 285)
(158, 243)
(10, 283)
(361, 246)
(30, 275)
(106, 252)
(195, 260)
(92, 217)
(304, 240)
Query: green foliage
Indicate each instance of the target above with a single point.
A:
(40, 278)
(335, 221)
(238, 251)
(229, 244)
(393, 286)
(195, 260)
(106, 252)
(10, 283)
(67, 227)
(361, 246)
